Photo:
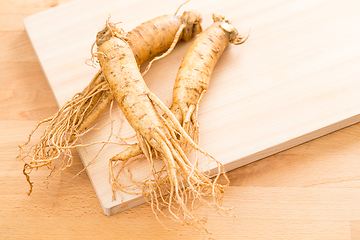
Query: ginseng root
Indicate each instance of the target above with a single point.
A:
(194, 74)
(70, 122)
(157, 136)
(190, 85)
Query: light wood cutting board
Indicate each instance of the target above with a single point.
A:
(296, 78)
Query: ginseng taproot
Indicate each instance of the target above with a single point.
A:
(157, 136)
(72, 120)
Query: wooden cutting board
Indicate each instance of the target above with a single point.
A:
(296, 78)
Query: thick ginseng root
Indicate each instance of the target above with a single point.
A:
(156, 135)
(190, 85)
(71, 121)
(194, 74)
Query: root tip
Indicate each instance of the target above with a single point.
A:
(27, 175)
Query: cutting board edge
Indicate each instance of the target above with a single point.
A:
(293, 142)
(113, 209)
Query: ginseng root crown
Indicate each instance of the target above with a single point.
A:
(235, 37)
(110, 30)
(192, 21)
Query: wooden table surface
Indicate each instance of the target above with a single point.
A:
(311, 191)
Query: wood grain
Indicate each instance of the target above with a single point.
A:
(288, 84)
(307, 192)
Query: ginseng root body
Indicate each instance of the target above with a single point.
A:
(194, 74)
(190, 85)
(156, 135)
(72, 120)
